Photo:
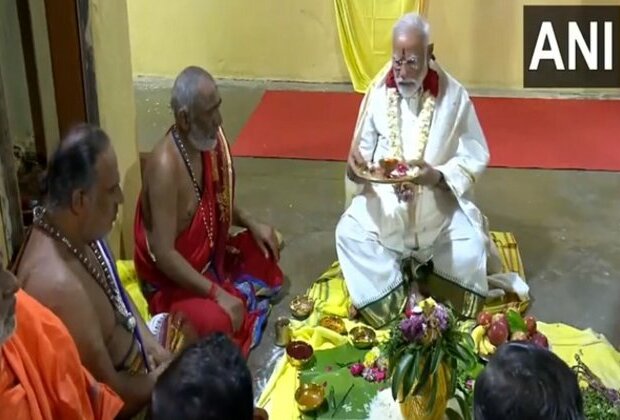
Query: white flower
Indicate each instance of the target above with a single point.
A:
(393, 117)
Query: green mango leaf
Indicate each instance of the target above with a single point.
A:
(433, 397)
(515, 321)
(453, 377)
(469, 341)
(392, 364)
(411, 377)
(464, 356)
(452, 414)
(426, 373)
(403, 367)
(436, 360)
(466, 410)
(476, 370)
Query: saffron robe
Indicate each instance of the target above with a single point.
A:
(41, 376)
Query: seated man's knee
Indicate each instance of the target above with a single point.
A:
(345, 227)
(209, 380)
(524, 381)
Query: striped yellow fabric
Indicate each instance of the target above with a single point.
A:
(509, 251)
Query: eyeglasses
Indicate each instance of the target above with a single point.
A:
(413, 62)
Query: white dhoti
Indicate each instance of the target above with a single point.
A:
(373, 271)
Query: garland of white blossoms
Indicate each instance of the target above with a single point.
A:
(425, 118)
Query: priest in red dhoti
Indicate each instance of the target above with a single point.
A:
(185, 256)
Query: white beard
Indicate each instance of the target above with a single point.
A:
(408, 91)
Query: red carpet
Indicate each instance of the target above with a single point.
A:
(522, 133)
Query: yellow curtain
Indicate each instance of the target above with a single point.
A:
(365, 31)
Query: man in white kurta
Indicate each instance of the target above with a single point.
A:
(436, 220)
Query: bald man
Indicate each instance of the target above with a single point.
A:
(184, 255)
(417, 115)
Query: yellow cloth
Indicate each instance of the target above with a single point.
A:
(329, 293)
(365, 32)
(330, 296)
(129, 279)
(593, 348)
(509, 252)
(511, 262)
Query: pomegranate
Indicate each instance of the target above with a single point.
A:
(530, 323)
(518, 336)
(540, 340)
(484, 318)
(498, 333)
(499, 318)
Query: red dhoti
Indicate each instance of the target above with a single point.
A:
(234, 263)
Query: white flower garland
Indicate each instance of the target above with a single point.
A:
(425, 118)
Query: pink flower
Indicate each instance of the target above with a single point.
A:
(401, 169)
(380, 375)
(357, 369)
(369, 374)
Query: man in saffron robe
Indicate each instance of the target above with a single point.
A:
(41, 376)
(184, 254)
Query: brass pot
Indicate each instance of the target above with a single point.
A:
(416, 407)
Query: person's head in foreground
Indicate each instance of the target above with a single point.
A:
(8, 289)
(83, 184)
(196, 103)
(209, 380)
(411, 51)
(523, 381)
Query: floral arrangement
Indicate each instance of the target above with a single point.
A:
(374, 367)
(427, 338)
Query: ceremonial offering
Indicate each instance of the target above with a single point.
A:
(492, 331)
(301, 307)
(333, 323)
(373, 368)
(363, 337)
(299, 353)
(310, 397)
(389, 171)
(424, 352)
(283, 331)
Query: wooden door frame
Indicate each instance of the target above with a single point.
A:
(88, 62)
(10, 204)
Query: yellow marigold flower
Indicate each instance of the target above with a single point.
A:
(427, 306)
(371, 357)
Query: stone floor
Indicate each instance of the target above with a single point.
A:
(566, 222)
